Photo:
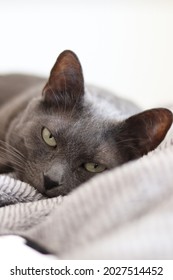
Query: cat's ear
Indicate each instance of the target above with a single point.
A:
(143, 132)
(66, 84)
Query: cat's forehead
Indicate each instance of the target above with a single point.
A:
(83, 123)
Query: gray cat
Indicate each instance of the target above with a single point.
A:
(57, 134)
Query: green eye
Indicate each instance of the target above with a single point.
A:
(94, 167)
(48, 137)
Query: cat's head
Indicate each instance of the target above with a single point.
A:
(61, 142)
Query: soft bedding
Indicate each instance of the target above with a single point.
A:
(126, 213)
(13, 191)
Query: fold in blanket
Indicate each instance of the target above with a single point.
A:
(125, 213)
(13, 191)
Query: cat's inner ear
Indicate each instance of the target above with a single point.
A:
(66, 83)
(143, 132)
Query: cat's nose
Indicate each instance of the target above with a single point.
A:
(53, 177)
(50, 184)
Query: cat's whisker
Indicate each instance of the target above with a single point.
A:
(14, 159)
(11, 147)
(12, 153)
(13, 163)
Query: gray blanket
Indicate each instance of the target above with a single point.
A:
(126, 213)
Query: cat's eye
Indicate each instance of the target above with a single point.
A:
(48, 137)
(94, 167)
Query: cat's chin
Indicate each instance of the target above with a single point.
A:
(56, 191)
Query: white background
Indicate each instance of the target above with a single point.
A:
(123, 45)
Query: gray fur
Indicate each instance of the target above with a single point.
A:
(88, 127)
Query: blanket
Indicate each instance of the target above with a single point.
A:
(125, 213)
(13, 191)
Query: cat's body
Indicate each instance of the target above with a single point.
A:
(61, 138)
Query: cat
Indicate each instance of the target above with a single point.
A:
(59, 133)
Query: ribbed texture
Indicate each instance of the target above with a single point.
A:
(124, 213)
(25, 215)
(13, 191)
(109, 203)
